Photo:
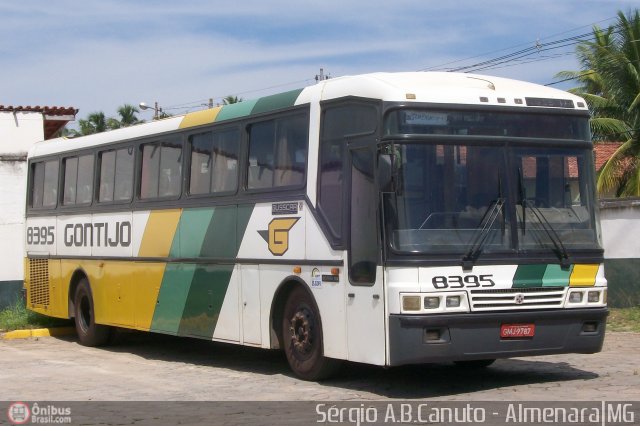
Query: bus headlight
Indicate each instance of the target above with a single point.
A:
(453, 301)
(575, 297)
(431, 302)
(411, 303)
(593, 297)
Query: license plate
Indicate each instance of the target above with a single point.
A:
(514, 331)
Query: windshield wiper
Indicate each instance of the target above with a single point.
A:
(559, 248)
(482, 233)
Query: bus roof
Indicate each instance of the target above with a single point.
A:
(407, 87)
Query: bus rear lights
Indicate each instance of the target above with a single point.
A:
(410, 303)
(431, 302)
(575, 297)
(453, 301)
(593, 297)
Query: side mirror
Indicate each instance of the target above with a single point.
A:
(386, 181)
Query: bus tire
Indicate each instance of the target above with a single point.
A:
(475, 364)
(302, 338)
(89, 333)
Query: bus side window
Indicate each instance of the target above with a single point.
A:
(78, 180)
(37, 184)
(116, 175)
(261, 147)
(225, 161)
(278, 152)
(339, 122)
(50, 194)
(161, 170)
(214, 162)
(125, 164)
(363, 241)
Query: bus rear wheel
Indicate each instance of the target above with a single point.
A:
(89, 333)
(302, 338)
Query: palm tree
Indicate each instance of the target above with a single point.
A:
(127, 113)
(228, 100)
(95, 122)
(610, 83)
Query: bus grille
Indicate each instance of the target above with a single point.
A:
(39, 282)
(517, 298)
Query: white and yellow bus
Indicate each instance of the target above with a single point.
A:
(388, 219)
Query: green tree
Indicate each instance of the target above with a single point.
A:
(127, 117)
(96, 122)
(228, 100)
(610, 83)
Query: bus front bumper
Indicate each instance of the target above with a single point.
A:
(416, 339)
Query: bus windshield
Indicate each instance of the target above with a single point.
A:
(451, 197)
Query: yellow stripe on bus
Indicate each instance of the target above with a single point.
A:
(159, 233)
(199, 118)
(583, 275)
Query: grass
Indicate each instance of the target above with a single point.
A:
(626, 319)
(18, 317)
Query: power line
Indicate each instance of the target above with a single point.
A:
(570, 78)
(440, 66)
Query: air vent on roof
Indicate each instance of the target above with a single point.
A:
(545, 102)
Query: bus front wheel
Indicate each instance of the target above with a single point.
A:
(302, 338)
(89, 333)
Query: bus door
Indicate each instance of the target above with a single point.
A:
(364, 291)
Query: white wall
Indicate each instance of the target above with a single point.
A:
(18, 132)
(620, 222)
(13, 177)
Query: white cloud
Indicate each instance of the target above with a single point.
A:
(99, 55)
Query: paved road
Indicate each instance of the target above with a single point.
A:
(147, 367)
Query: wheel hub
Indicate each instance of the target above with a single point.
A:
(302, 331)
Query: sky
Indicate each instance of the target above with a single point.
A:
(99, 55)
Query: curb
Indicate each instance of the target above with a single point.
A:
(38, 332)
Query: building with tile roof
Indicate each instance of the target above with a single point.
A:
(20, 128)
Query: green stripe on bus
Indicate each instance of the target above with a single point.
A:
(240, 109)
(220, 237)
(244, 214)
(555, 276)
(529, 276)
(172, 298)
(275, 102)
(189, 235)
(204, 302)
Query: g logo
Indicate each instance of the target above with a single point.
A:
(277, 236)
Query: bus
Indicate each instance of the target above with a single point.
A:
(386, 218)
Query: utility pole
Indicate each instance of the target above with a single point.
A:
(322, 76)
